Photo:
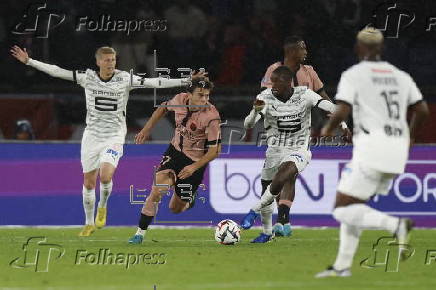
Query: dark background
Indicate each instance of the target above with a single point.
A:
(235, 41)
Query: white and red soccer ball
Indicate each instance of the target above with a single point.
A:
(227, 232)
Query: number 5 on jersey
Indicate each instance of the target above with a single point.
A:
(106, 104)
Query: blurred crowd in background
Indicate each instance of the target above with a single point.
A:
(235, 41)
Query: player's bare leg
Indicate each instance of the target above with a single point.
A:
(177, 205)
(107, 170)
(150, 207)
(88, 192)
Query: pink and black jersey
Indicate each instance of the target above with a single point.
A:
(305, 76)
(195, 131)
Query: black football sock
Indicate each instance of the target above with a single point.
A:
(145, 221)
(283, 214)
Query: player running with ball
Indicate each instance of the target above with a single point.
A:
(107, 92)
(196, 142)
(287, 114)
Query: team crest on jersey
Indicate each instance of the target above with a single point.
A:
(296, 99)
(193, 126)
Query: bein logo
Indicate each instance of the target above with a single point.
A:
(387, 253)
(38, 21)
(240, 180)
(38, 254)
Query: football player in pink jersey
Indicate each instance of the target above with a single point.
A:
(196, 142)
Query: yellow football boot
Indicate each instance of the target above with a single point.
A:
(87, 231)
(100, 219)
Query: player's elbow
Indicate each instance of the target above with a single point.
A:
(421, 110)
(248, 124)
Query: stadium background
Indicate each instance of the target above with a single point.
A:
(235, 41)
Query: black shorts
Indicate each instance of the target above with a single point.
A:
(175, 160)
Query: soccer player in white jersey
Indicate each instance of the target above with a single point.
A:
(379, 95)
(287, 116)
(107, 93)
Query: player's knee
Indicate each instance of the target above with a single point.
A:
(340, 213)
(105, 179)
(89, 185)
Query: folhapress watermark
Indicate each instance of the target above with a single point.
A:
(106, 23)
(387, 253)
(38, 254)
(393, 18)
(104, 257)
(38, 20)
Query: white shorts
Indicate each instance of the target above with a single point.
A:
(95, 151)
(362, 182)
(277, 156)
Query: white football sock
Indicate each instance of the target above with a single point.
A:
(266, 199)
(140, 231)
(348, 242)
(105, 191)
(89, 204)
(266, 216)
(364, 217)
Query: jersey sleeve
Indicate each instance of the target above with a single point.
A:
(79, 77)
(415, 94)
(175, 101)
(137, 82)
(313, 99)
(213, 131)
(50, 69)
(316, 101)
(346, 90)
(317, 83)
(262, 98)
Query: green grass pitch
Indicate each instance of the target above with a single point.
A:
(191, 259)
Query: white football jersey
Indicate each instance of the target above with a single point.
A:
(380, 94)
(287, 124)
(106, 102)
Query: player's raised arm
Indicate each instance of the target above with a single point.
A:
(318, 101)
(255, 114)
(52, 70)
(162, 83)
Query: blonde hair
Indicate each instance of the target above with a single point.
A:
(370, 35)
(104, 50)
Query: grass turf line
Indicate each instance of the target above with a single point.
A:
(193, 260)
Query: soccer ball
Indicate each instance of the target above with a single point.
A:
(227, 232)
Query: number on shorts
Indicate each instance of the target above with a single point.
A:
(165, 159)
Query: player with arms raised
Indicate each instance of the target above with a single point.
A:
(287, 114)
(196, 142)
(107, 93)
(379, 95)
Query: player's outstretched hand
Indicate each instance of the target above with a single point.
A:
(20, 54)
(142, 136)
(200, 74)
(187, 171)
(258, 105)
